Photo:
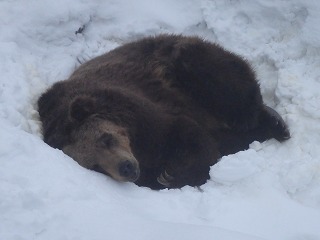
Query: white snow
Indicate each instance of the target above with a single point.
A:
(271, 191)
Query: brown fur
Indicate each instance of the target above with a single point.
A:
(159, 111)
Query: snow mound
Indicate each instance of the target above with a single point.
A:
(271, 191)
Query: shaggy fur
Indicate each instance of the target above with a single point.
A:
(159, 111)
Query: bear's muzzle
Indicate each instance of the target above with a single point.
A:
(129, 170)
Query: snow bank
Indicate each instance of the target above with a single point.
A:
(271, 191)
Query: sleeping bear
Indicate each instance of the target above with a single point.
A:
(158, 111)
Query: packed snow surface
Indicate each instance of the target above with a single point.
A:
(271, 191)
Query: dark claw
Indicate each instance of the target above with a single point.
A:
(279, 122)
(165, 179)
(275, 115)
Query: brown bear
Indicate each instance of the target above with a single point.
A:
(158, 111)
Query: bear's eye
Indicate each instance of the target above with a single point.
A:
(106, 140)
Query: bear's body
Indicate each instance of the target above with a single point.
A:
(159, 111)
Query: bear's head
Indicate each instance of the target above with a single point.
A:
(100, 144)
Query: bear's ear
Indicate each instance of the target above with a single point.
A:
(81, 108)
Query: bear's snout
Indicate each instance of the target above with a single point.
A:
(129, 170)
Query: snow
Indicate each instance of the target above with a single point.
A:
(271, 191)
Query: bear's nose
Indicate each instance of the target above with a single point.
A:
(128, 170)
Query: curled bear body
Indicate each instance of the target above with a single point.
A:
(158, 111)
